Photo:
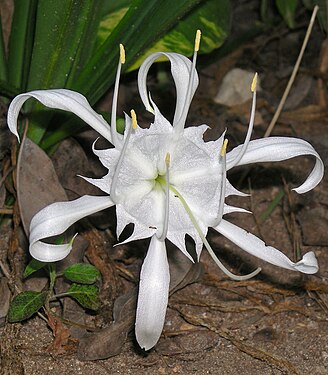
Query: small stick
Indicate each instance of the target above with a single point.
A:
(6, 211)
(293, 75)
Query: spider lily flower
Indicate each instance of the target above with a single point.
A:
(168, 182)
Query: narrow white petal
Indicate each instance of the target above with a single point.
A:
(103, 183)
(229, 209)
(255, 246)
(153, 295)
(55, 219)
(65, 100)
(277, 149)
(180, 69)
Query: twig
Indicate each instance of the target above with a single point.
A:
(6, 175)
(293, 75)
(6, 211)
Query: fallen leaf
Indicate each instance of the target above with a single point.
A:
(63, 343)
(109, 341)
(37, 182)
(5, 297)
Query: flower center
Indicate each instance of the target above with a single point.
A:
(161, 180)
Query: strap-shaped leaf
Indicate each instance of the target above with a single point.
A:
(3, 59)
(61, 39)
(21, 42)
(145, 22)
(212, 18)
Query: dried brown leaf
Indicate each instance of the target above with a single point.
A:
(62, 343)
(37, 182)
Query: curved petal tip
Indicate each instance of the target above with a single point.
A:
(308, 264)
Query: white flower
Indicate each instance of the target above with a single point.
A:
(168, 182)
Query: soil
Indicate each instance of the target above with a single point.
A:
(275, 323)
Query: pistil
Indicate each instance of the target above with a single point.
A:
(167, 203)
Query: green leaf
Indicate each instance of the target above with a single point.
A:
(109, 22)
(322, 13)
(212, 18)
(82, 273)
(32, 267)
(3, 59)
(287, 9)
(71, 127)
(7, 90)
(61, 40)
(275, 202)
(141, 26)
(85, 295)
(25, 304)
(21, 42)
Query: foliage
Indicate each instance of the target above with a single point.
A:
(83, 290)
(288, 9)
(74, 44)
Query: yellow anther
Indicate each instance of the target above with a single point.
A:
(224, 147)
(168, 159)
(254, 83)
(197, 40)
(134, 119)
(122, 54)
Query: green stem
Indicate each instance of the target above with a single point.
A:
(52, 276)
(60, 295)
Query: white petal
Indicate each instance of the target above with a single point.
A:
(153, 295)
(277, 149)
(103, 183)
(55, 219)
(229, 209)
(63, 99)
(255, 246)
(180, 69)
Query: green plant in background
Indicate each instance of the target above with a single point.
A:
(288, 8)
(69, 44)
(83, 278)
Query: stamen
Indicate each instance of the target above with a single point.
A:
(123, 152)
(180, 124)
(115, 139)
(250, 126)
(223, 163)
(134, 119)
(208, 246)
(122, 54)
(224, 148)
(254, 83)
(167, 203)
(197, 40)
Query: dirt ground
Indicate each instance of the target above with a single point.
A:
(275, 323)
